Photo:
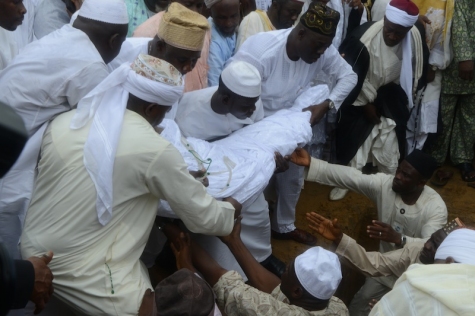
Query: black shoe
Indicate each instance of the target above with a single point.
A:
(274, 265)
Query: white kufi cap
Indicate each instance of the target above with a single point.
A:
(319, 272)
(107, 11)
(460, 245)
(243, 79)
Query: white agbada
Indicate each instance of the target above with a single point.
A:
(37, 98)
(283, 80)
(196, 119)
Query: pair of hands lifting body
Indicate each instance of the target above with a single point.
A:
(330, 229)
(43, 286)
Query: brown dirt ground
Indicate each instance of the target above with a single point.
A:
(355, 212)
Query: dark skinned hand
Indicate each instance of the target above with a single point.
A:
(181, 247)
(466, 70)
(424, 20)
(372, 114)
(237, 206)
(372, 303)
(300, 157)
(329, 229)
(383, 231)
(281, 163)
(235, 233)
(430, 75)
(200, 175)
(318, 111)
(43, 287)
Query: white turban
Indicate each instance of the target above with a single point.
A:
(400, 17)
(148, 78)
(107, 11)
(242, 78)
(319, 272)
(460, 245)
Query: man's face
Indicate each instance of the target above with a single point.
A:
(430, 247)
(193, 5)
(225, 15)
(312, 45)
(242, 107)
(407, 179)
(183, 60)
(393, 34)
(288, 13)
(12, 13)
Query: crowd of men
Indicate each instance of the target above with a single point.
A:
(98, 188)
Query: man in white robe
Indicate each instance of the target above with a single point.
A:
(372, 125)
(216, 112)
(11, 16)
(408, 210)
(288, 60)
(282, 14)
(102, 173)
(49, 77)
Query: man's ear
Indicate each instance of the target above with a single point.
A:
(301, 33)
(114, 41)
(150, 109)
(297, 292)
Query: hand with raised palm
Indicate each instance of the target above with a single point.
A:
(327, 228)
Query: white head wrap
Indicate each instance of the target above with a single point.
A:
(460, 245)
(107, 11)
(148, 78)
(319, 272)
(242, 78)
(402, 18)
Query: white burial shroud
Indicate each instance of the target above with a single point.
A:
(242, 164)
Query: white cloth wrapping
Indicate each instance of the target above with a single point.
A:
(460, 245)
(400, 17)
(106, 104)
(107, 11)
(245, 159)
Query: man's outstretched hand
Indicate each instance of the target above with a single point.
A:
(329, 229)
(281, 163)
(383, 231)
(43, 287)
(237, 206)
(318, 111)
(300, 157)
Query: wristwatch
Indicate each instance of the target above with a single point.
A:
(331, 104)
(403, 241)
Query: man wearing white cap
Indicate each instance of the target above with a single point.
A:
(306, 288)
(224, 20)
(440, 289)
(49, 77)
(390, 58)
(178, 40)
(282, 14)
(288, 60)
(102, 172)
(214, 113)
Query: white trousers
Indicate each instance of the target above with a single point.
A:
(288, 185)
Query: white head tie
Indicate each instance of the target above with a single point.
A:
(319, 272)
(242, 78)
(460, 245)
(107, 11)
(148, 78)
(400, 17)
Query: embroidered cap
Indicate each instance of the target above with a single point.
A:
(321, 19)
(157, 70)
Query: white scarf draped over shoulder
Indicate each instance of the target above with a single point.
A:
(106, 105)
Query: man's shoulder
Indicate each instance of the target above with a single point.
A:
(429, 195)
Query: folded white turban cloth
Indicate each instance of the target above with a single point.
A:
(148, 78)
(460, 245)
(107, 11)
(319, 272)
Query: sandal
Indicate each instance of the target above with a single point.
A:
(441, 177)
(466, 169)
